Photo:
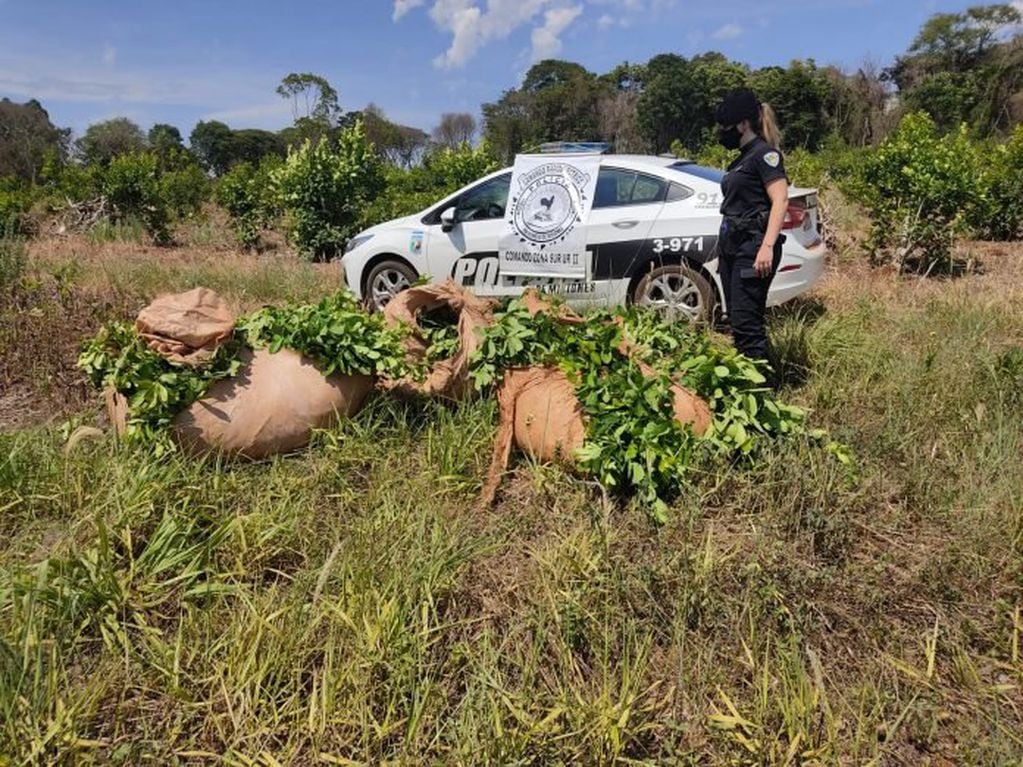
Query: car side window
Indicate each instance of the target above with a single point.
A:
(616, 186)
(647, 189)
(486, 201)
(678, 192)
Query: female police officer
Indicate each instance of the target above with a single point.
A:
(755, 196)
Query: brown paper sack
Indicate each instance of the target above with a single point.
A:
(448, 378)
(271, 406)
(540, 412)
(186, 328)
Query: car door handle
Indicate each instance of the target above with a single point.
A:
(624, 224)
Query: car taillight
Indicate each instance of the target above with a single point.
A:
(795, 214)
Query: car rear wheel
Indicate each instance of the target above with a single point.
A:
(386, 280)
(676, 292)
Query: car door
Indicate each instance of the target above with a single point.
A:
(468, 251)
(625, 206)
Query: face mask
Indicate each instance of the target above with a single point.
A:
(730, 138)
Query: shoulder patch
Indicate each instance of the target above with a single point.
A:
(772, 159)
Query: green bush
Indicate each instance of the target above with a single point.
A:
(451, 169)
(324, 189)
(442, 172)
(247, 193)
(711, 154)
(16, 198)
(131, 183)
(999, 216)
(74, 182)
(921, 190)
(185, 190)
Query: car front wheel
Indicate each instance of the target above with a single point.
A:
(386, 280)
(676, 292)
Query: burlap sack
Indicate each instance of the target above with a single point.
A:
(536, 302)
(186, 328)
(271, 406)
(541, 413)
(447, 378)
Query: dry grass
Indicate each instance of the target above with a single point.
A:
(347, 605)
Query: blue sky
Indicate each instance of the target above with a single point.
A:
(186, 60)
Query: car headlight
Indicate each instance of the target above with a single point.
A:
(357, 241)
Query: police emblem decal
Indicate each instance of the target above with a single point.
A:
(772, 159)
(548, 205)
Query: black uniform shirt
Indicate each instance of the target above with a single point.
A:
(743, 186)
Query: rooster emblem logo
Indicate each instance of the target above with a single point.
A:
(545, 213)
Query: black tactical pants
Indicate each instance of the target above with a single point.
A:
(745, 291)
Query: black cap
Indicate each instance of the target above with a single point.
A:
(737, 106)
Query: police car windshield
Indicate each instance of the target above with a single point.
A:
(700, 171)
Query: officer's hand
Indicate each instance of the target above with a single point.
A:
(765, 261)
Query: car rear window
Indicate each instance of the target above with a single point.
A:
(700, 171)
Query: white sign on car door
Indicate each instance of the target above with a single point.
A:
(549, 203)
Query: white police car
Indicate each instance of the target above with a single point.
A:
(651, 240)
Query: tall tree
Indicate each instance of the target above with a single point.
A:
(455, 129)
(961, 68)
(166, 143)
(211, 142)
(670, 107)
(507, 124)
(616, 109)
(27, 138)
(958, 40)
(400, 145)
(557, 101)
(858, 104)
(164, 138)
(311, 97)
(565, 100)
(103, 141)
(799, 95)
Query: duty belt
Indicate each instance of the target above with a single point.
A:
(750, 224)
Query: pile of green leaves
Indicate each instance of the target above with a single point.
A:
(156, 389)
(337, 333)
(633, 443)
(744, 407)
(440, 332)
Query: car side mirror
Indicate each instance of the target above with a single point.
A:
(447, 219)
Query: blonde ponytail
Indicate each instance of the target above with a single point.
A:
(769, 126)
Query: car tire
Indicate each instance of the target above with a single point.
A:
(386, 280)
(676, 292)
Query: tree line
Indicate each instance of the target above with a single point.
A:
(964, 71)
(960, 68)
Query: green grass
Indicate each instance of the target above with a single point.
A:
(349, 605)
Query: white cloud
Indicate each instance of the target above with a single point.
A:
(401, 7)
(547, 39)
(109, 55)
(472, 27)
(729, 31)
(473, 24)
